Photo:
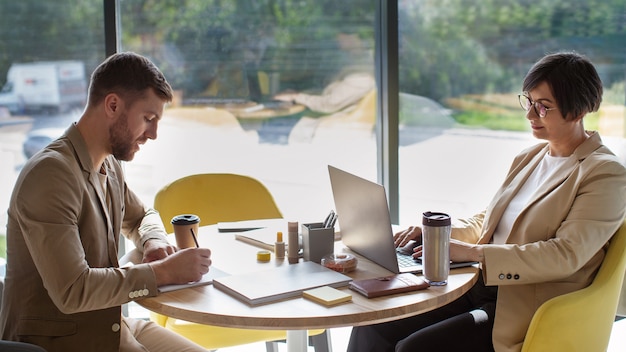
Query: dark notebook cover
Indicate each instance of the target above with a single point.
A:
(388, 285)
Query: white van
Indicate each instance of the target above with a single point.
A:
(47, 86)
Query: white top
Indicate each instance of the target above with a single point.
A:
(546, 168)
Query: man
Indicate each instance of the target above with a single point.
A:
(64, 287)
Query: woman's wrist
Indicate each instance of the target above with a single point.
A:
(479, 254)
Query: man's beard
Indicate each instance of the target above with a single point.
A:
(121, 140)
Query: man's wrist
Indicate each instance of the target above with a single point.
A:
(145, 241)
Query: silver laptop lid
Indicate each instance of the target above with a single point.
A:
(363, 216)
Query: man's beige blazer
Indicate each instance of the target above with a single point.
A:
(64, 288)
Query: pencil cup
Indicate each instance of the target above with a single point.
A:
(185, 228)
(317, 241)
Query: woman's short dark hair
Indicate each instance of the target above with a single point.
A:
(130, 75)
(573, 80)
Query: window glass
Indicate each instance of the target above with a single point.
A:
(47, 50)
(228, 61)
(461, 67)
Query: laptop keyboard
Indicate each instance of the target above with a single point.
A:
(405, 261)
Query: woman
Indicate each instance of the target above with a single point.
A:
(544, 234)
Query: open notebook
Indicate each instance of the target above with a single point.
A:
(207, 279)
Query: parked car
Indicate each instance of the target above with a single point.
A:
(39, 138)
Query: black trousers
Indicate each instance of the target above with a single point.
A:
(463, 325)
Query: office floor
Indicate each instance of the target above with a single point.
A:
(339, 340)
(339, 337)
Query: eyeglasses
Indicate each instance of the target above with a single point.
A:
(541, 110)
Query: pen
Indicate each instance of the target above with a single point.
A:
(334, 219)
(329, 218)
(194, 238)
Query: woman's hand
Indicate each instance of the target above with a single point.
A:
(465, 252)
(412, 233)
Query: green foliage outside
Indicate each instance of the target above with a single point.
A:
(3, 246)
(458, 53)
(448, 48)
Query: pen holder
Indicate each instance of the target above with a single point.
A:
(317, 241)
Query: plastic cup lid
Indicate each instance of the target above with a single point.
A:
(436, 219)
(185, 219)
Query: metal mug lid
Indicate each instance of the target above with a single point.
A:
(436, 219)
(185, 219)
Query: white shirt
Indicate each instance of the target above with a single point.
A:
(545, 170)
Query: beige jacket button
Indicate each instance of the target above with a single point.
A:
(145, 292)
(131, 294)
(115, 327)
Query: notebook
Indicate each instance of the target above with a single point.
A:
(279, 283)
(207, 279)
(388, 285)
(363, 216)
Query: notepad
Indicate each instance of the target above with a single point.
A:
(207, 279)
(278, 283)
(326, 295)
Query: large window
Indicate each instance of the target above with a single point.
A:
(227, 61)
(462, 63)
(39, 39)
(460, 67)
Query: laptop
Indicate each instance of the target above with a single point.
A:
(363, 215)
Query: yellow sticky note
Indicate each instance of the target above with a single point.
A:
(327, 295)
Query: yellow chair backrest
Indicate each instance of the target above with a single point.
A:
(215, 198)
(582, 320)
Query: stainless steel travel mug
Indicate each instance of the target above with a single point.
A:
(436, 229)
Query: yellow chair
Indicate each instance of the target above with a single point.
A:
(216, 198)
(582, 320)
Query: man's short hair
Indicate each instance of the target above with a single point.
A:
(130, 75)
(573, 80)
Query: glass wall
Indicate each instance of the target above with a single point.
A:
(271, 89)
(47, 51)
(461, 65)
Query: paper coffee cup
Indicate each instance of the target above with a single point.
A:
(186, 226)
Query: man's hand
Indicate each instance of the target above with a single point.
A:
(186, 265)
(156, 249)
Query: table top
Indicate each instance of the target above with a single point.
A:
(208, 305)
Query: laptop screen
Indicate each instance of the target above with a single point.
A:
(363, 216)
